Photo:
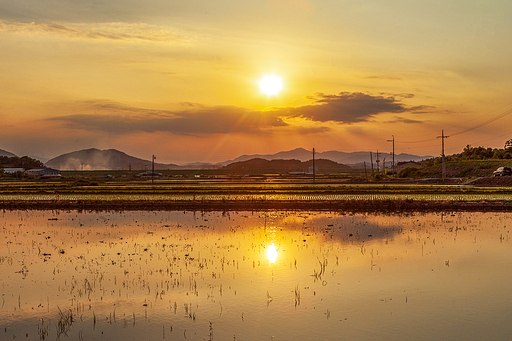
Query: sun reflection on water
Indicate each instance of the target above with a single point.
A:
(272, 253)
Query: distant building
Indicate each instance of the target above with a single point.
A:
(9, 170)
(409, 164)
(150, 174)
(44, 172)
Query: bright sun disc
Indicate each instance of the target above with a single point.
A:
(271, 85)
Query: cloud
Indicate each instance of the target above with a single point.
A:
(109, 31)
(349, 107)
(133, 11)
(195, 119)
(192, 120)
(399, 119)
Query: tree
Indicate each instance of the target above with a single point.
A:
(508, 145)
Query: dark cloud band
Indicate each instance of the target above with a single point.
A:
(192, 119)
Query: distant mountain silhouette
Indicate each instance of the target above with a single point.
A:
(6, 153)
(95, 159)
(259, 164)
(112, 159)
(353, 158)
(40, 158)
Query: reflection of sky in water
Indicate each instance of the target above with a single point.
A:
(255, 275)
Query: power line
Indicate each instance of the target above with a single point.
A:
(495, 118)
(503, 114)
(500, 109)
(478, 142)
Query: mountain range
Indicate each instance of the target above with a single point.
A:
(112, 159)
(6, 153)
(291, 165)
(353, 159)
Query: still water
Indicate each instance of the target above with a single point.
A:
(255, 276)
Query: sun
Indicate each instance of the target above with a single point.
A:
(271, 85)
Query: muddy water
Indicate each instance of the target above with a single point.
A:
(254, 276)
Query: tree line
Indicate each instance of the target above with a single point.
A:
(476, 153)
(20, 162)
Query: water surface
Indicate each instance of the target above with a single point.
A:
(254, 276)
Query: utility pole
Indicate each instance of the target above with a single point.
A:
(393, 165)
(314, 165)
(442, 152)
(153, 169)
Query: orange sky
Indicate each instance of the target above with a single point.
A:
(180, 79)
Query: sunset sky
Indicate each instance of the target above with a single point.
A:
(180, 79)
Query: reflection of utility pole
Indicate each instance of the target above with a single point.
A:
(153, 169)
(393, 165)
(377, 161)
(442, 152)
(371, 161)
(314, 165)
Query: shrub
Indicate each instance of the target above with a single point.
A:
(409, 172)
(378, 177)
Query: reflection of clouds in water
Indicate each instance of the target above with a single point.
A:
(340, 227)
(343, 227)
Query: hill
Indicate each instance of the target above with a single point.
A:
(95, 159)
(111, 159)
(259, 165)
(6, 153)
(353, 158)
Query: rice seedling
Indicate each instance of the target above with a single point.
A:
(64, 323)
(42, 330)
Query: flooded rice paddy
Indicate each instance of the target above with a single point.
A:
(254, 276)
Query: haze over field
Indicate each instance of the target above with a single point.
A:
(185, 81)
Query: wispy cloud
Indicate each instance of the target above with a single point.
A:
(107, 31)
(399, 119)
